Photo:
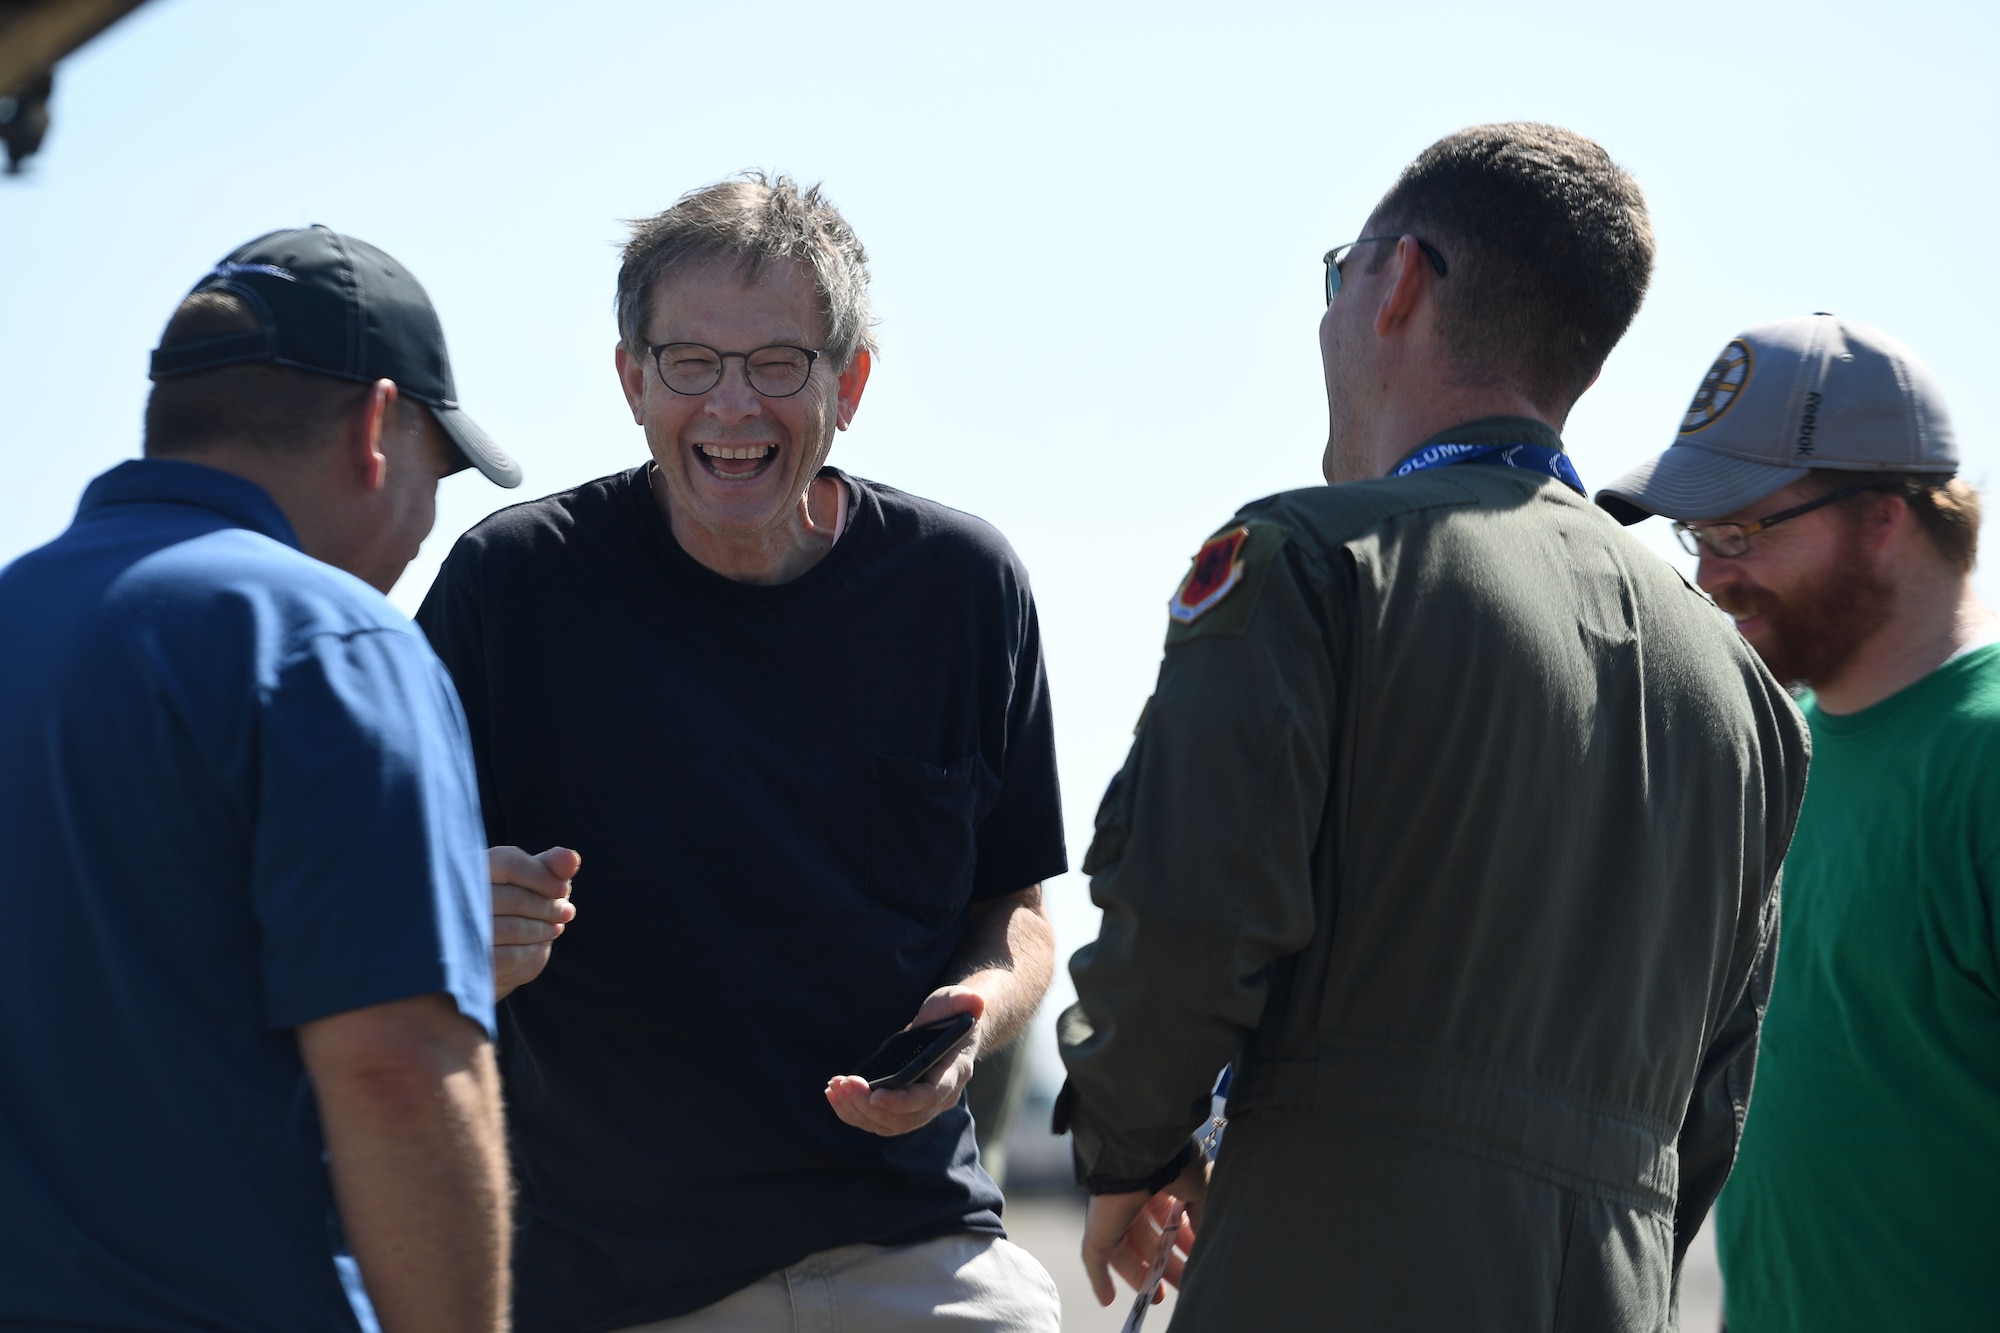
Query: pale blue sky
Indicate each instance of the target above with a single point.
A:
(1095, 232)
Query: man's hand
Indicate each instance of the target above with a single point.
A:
(530, 908)
(1121, 1232)
(1003, 966)
(890, 1112)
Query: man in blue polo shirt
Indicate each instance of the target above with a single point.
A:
(246, 1077)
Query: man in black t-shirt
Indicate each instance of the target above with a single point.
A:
(797, 723)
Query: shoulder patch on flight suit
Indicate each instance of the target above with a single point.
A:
(1217, 569)
(1220, 590)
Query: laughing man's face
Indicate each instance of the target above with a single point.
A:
(733, 461)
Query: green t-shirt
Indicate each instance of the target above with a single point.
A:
(1867, 1192)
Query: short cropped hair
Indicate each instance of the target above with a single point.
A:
(275, 407)
(1947, 508)
(1549, 250)
(754, 219)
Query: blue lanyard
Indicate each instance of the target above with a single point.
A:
(1528, 457)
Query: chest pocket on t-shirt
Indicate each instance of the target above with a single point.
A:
(922, 819)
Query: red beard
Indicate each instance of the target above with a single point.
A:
(1813, 633)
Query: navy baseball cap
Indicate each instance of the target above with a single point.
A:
(338, 306)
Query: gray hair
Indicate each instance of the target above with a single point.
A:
(755, 219)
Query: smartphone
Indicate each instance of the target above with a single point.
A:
(913, 1052)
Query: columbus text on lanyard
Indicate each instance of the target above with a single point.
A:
(1528, 457)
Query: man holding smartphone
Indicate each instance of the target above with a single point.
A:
(798, 725)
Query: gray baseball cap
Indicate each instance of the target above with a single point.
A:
(1781, 400)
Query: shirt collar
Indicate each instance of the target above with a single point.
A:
(172, 481)
(1492, 430)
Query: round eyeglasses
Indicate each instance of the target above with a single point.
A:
(1730, 540)
(777, 371)
(1338, 255)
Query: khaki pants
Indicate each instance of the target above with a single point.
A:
(960, 1284)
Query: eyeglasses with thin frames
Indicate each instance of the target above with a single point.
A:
(777, 371)
(1729, 540)
(1336, 256)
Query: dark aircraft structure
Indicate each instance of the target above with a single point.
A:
(34, 35)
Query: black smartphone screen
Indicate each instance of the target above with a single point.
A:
(910, 1054)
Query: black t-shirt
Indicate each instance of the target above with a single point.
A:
(787, 799)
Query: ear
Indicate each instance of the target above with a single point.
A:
(1889, 521)
(632, 377)
(1408, 286)
(366, 426)
(853, 380)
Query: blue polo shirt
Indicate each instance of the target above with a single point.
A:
(236, 795)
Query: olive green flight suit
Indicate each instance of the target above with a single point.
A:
(1456, 823)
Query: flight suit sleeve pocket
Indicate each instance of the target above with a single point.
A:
(922, 843)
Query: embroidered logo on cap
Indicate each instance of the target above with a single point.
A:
(1720, 387)
(1218, 568)
(228, 269)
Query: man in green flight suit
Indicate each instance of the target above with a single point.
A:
(1454, 822)
(1814, 475)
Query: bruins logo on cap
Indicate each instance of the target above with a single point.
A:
(1720, 387)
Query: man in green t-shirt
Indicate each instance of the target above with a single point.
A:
(1814, 477)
